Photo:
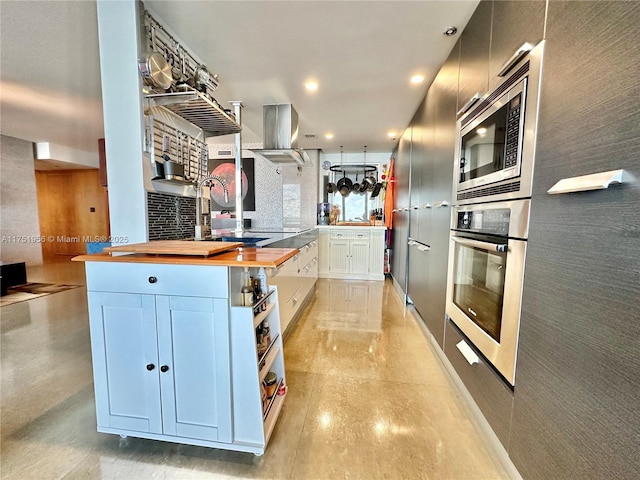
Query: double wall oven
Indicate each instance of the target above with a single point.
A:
(490, 219)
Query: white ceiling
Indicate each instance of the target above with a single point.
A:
(362, 53)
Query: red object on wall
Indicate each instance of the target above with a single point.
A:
(389, 198)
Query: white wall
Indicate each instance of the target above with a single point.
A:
(51, 151)
(19, 224)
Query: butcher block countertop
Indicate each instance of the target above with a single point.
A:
(238, 257)
(176, 247)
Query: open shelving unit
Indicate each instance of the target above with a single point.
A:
(255, 425)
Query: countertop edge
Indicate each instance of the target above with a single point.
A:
(241, 257)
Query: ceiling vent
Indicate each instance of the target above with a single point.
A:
(310, 135)
(280, 124)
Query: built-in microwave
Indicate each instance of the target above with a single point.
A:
(496, 136)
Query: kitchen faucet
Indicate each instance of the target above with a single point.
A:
(199, 185)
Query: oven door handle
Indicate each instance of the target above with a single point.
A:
(491, 247)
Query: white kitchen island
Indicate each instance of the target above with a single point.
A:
(174, 352)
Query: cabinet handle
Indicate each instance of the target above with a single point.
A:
(153, 279)
(515, 58)
(469, 104)
(150, 366)
(164, 368)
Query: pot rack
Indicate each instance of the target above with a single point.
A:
(198, 108)
(353, 168)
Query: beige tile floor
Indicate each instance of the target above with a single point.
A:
(368, 399)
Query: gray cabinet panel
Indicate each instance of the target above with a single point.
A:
(444, 94)
(475, 44)
(402, 173)
(578, 372)
(514, 23)
(489, 391)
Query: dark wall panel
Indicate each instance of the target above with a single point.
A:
(578, 375)
(514, 23)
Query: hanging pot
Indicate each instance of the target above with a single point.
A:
(376, 190)
(344, 185)
(364, 185)
(156, 71)
(331, 187)
(356, 186)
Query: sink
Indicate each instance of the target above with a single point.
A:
(245, 240)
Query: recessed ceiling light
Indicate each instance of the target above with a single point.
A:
(311, 86)
(391, 134)
(328, 136)
(417, 78)
(451, 31)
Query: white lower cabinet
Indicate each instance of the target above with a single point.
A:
(351, 253)
(161, 364)
(181, 368)
(296, 280)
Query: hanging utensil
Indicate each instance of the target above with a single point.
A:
(356, 186)
(345, 185)
(155, 71)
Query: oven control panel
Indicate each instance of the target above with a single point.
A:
(491, 221)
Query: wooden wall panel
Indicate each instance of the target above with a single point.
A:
(65, 200)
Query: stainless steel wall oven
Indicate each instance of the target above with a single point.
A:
(496, 136)
(486, 272)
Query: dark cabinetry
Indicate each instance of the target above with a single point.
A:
(428, 268)
(489, 391)
(513, 24)
(402, 173)
(475, 44)
(578, 373)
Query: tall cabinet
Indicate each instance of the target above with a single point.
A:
(578, 374)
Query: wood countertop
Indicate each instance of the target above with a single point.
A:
(240, 257)
(176, 247)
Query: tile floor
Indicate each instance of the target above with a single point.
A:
(368, 398)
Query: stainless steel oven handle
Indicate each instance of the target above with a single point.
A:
(491, 247)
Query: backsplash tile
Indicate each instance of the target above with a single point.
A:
(171, 217)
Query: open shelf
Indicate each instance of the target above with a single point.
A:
(272, 353)
(264, 355)
(270, 409)
(257, 320)
(196, 108)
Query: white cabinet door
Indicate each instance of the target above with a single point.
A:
(339, 257)
(125, 361)
(161, 364)
(193, 340)
(359, 257)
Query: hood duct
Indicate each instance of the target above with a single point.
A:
(280, 133)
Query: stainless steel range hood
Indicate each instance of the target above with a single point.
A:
(280, 124)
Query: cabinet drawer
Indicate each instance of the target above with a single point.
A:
(350, 234)
(490, 393)
(158, 279)
(308, 252)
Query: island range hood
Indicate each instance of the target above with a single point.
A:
(280, 133)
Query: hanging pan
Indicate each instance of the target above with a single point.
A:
(344, 185)
(156, 71)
